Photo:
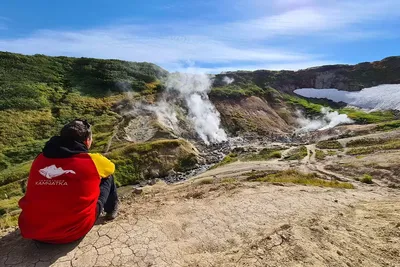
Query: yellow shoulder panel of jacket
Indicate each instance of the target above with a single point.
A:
(103, 165)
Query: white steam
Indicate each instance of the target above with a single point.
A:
(166, 114)
(192, 90)
(380, 97)
(228, 80)
(328, 120)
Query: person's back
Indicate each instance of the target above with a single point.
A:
(63, 199)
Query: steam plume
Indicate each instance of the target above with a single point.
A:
(328, 120)
(166, 114)
(193, 89)
(228, 80)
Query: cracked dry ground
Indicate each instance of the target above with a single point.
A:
(238, 224)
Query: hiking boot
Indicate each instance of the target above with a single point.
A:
(112, 214)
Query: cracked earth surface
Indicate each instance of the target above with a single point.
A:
(234, 224)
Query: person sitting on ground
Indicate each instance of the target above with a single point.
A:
(67, 189)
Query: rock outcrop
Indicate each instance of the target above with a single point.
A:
(342, 77)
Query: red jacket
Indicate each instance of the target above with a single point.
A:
(60, 202)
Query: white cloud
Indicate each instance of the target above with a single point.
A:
(267, 41)
(324, 19)
(126, 43)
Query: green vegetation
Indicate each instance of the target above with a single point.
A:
(356, 77)
(232, 157)
(309, 107)
(95, 77)
(12, 180)
(236, 90)
(265, 154)
(39, 94)
(362, 150)
(229, 180)
(387, 145)
(186, 163)
(8, 205)
(203, 181)
(296, 177)
(366, 179)
(298, 153)
(136, 162)
(363, 117)
(387, 126)
(9, 211)
(319, 154)
(329, 144)
(8, 220)
(364, 142)
(332, 152)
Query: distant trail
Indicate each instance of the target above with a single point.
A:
(115, 131)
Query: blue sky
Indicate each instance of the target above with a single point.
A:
(211, 36)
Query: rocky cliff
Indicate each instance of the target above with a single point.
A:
(342, 77)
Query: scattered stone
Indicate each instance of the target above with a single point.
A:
(151, 182)
(138, 190)
(285, 226)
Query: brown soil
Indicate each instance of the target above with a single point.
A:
(238, 223)
(253, 114)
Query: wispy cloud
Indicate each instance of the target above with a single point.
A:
(169, 52)
(259, 42)
(309, 18)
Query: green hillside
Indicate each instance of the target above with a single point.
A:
(39, 94)
(342, 77)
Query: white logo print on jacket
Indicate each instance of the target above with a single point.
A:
(52, 171)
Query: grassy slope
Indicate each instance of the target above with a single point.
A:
(296, 177)
(39, 94)
(358, 115)
(286, 104)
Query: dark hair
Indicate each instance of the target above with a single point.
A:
(77, 130)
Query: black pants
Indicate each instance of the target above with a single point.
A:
(108, 196)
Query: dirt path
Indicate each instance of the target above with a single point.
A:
(240, 224)
(115, 132)
(311, 152)
(379, 135)
(240, 168)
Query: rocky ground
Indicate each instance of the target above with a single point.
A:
(219, 218)
(244, 224)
